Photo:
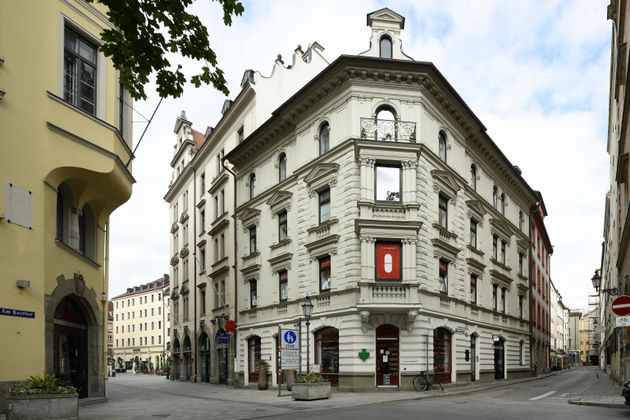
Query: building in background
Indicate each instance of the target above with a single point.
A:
(376, 193)
(140, 322)
(540, 281)
(573, 337)
(66, 133)
(615, 262)
(589, 340)
(559, 315)
(110, 336)
(204, 303)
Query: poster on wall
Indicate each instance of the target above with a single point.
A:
(388, 261)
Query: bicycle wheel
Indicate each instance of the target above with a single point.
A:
(420, 383)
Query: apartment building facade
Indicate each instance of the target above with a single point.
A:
(589, 339)
(559, 315)
(540, 256)
(375, 192)
(204, 303)
(62, 176)
(141, 326)
(615, 263)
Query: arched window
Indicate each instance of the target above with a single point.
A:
(385, 47)
(386, 124)
(495, 197)
(252, 186)
(282, 167)
(473, 177)
(502, 204)
(324, 138)
(442, 146)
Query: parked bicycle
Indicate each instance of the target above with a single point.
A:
(425, 380)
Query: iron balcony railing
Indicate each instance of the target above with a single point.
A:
(388, 130)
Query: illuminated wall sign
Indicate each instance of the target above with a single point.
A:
(388, 261)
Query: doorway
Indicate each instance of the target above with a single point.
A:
(499, 358)
(204, 357)
(70, 340)
(387, 355)
(473, 358)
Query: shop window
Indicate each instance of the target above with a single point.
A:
(327, 353)
(442, 354)
(253, 358)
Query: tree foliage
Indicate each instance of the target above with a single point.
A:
(147, 30)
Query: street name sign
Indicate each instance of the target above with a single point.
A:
(621, 305)
(622, 321)
(17, 312)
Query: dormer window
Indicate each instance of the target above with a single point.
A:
(385, 50)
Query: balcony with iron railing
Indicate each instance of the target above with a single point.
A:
(388, 130)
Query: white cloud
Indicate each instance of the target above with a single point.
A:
(535, 73)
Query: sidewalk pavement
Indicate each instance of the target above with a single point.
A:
(603, 392)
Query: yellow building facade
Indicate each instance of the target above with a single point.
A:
(65, 147)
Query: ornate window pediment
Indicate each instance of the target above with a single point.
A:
(251, 272)
(501, 227)
(249, 216)
(322, 174)
(323, 246)
(445, 182)
(280, 200)
(523, 245)
(476, 210)
(281, 262)
(501, 279)
(442, 249)
(217, 182)
(475, 266)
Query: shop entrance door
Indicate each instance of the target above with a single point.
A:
(499, 366)
(387, 355)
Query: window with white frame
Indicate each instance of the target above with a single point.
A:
(283, 278)
(443, 277)
(473, 288)
(324, 138)
(388, 183)
(252, 239)
(473, 233)
(324, 274)
(495, 247)
(282, 226)
(253, 293)
(385, 47)
(324, 205)
(79, 71)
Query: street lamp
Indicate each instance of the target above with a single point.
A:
(597, 282)
(307, 310)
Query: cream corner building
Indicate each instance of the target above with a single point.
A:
(66, 142)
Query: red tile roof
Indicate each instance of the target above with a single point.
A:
(198, 138)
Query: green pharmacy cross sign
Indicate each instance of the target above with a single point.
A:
(364, 355)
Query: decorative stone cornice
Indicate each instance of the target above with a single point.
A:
(249, 216)
(442, 249)
(446, 183)
(280, 200)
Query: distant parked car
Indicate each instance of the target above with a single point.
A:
(625, 391)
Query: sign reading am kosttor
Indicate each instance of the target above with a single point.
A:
(17, 312)
(289, 349)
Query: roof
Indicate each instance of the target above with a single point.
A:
(158, 284)
(199, 138)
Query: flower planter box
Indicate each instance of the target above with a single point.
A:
(311, 391)
(43, 406)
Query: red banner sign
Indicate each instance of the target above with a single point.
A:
(388, 260)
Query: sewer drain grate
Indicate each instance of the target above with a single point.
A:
(160, 415)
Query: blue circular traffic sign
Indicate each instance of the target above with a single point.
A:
(289, 337)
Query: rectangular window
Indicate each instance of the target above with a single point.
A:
(324, 205)
(324, 274)
(202, 221)
(503, 298)
(443, 211)
(473, 233)
(473, 289)
(222, 293)
(520, 306)
(253, 293)
(240, 134)
(202, 184)
(494, 297)
(216, 249)
(252, 239)
(521, 259)
(222, 203)
(202, 259)
(443, 277)
(216, 207)
(495, 247)
(79, 72)
(284, 285)
(222, 242)
(388, 185)
(282, 226)
(219, 161)
(202, 301)
(388, 261)
(502, 252)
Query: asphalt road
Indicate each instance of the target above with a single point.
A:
(154, 397)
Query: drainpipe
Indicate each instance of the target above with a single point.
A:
(531, 294)
(235, 269)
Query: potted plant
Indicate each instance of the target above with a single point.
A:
(263, 370)
(43, 397)
(311, 386)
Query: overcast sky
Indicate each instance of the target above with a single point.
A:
(535, 73)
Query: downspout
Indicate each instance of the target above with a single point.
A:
(531, 294)
(194, 253)
(235, 268)
(104, 297)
